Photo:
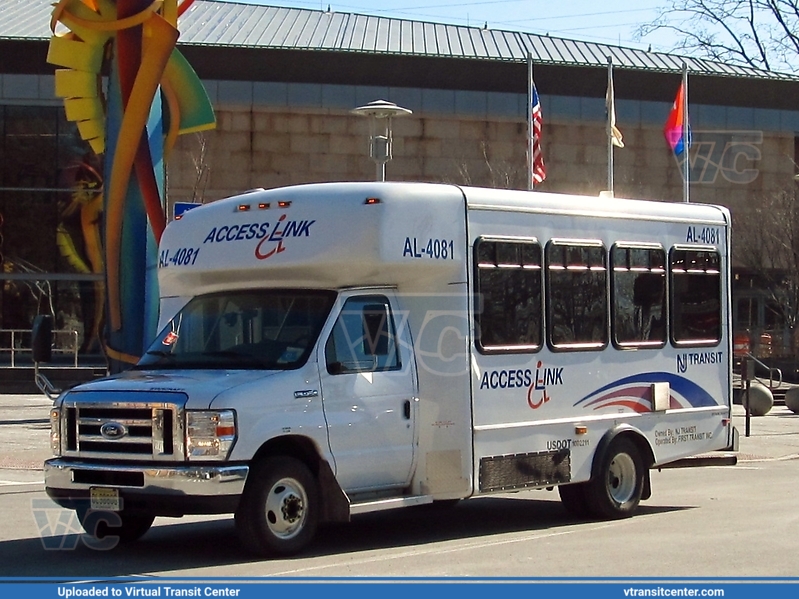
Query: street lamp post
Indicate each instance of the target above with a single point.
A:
(380, 113)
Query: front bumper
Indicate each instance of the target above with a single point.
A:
(165, 490)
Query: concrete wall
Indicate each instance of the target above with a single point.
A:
(258, 144)
(274, 134)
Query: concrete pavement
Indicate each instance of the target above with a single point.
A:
(24, 431)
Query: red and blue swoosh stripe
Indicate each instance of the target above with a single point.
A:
(634, 393)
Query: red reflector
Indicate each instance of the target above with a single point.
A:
(225, 431)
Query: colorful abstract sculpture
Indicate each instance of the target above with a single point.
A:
(149, 83)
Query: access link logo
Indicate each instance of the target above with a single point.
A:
(537, 382)
(270, 237)
(537, 394)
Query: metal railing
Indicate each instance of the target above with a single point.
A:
(771, 372)
(18, 341)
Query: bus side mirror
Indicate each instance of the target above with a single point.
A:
(42, 338)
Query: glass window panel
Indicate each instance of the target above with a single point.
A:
(269, 329)
(696, 297)
(31, 147)
(486, 253)
(531, 255)
(639, 297)
(773, 315)
(508, 254)
(49, 205)
(363, 338)
(747, 313)
(509, 298)
(577, 296)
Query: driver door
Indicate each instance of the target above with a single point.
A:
(369, 393)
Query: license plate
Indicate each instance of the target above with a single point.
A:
(105, 499)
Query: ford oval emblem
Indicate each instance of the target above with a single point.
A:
(113, 431)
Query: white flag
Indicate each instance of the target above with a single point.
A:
(610, 105)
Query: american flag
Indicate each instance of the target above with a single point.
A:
(539, 171)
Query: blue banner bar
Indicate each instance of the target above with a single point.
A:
(369, 588)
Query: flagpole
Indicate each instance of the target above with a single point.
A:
(530, 131)
(609, 106)
(685, 144)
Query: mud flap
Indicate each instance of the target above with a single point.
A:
(335, 503)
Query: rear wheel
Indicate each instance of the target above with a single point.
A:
(279, 511)
(616, 489)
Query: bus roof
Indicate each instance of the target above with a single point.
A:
(334, 235)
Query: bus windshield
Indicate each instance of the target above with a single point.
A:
(261, 329)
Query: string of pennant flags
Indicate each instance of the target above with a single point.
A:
(676, 130)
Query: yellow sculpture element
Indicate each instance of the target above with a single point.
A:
(159, 40)
(81, 50)
(87, 201)
(72, 21)
(66, 247)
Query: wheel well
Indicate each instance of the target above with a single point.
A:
(645, 450)
(335, 504)
(643, 446)
(294, 446)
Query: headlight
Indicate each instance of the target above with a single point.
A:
(55, 431)
(210, 434)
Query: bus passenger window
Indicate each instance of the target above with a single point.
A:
(508, 301)
(639, 296)
(695, 296)
(577, 295)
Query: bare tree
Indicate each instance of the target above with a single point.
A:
(499, 173)
(766, 241)
(40, 290)
(202, 168)
(757, 33)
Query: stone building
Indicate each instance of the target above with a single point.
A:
(283, 83)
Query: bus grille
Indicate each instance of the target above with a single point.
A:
(150, 431)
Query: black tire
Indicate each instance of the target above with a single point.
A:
(574, 500)
(126, 526)
(616, 488)
(279, 510)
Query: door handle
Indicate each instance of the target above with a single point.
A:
(407, 409)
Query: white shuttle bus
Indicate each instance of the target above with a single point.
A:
(333, 349)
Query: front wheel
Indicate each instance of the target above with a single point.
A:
(279, 511)
(617, 487)
(125, 525)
